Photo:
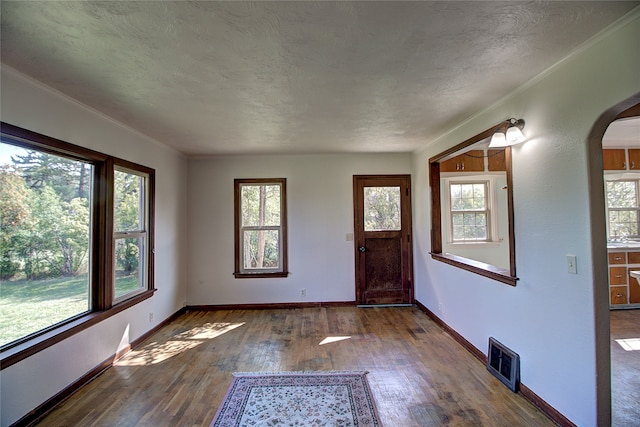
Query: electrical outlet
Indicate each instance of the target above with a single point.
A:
(572, 265)
(303, 292)
(151, 316)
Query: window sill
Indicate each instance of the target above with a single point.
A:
(260, 275)
(491, 244)
(22, 350)
(486, 270)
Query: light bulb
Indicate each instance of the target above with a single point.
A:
(498, 140)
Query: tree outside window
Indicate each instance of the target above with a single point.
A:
(622, 209)
(260, 227)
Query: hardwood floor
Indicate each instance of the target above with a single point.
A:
(625, 368)
(418, 374)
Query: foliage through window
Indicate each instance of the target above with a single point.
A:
(469, 211)
(260, 227)
(130, 232)
(67, 249)
(381, 208)
(45, 240)
(623, 209)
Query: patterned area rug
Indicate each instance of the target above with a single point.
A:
(298, 399)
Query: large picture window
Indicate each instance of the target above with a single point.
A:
(76, 239)
(260, 228)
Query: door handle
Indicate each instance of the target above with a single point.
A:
(362, 249)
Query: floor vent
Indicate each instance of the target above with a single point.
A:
(504, 364)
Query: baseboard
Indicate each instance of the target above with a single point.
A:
(36, 415)
(270, 306)
(526, 392)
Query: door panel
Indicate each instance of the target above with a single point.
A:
(382, 237)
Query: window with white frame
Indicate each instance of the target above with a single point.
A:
(469, 211)
(260, 228)
(623, 209)
(471, 208)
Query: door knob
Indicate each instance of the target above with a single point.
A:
(362, 249)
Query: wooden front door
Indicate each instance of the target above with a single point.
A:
(382, 237)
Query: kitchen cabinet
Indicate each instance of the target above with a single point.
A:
(496, 160)
(614, 159)
(634, 158)
(624, 290)
(471, 161)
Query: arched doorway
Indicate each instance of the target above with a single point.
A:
(599, 253)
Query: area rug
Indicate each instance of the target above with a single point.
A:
(335, 398)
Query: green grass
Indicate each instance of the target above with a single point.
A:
(27, 306)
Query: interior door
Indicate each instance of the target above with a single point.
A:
(382, 238)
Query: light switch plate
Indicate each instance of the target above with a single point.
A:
(572, 266)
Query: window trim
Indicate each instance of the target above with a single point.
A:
(102, 305)
(239, 272)
(141, 232)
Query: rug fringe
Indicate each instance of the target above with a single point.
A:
(287, 373)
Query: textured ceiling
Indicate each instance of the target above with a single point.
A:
(293, 77)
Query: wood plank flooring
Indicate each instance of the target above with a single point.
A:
(625, 368)
(418, 374)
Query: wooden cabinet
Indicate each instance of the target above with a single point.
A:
(618, 295)
(471, 161)
(634, 290)
(617, 257)
(624, 289)
(634, 158)
(633, 258)
(496, 160)
(617, 275)
(614, 159)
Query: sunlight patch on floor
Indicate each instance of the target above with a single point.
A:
(329, 340)
(629, 344)
(154, 353)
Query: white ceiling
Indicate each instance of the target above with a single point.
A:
(293, 77)
(623, 133)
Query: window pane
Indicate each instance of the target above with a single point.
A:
(623, 223)
(468, 196)
(128, 202)
(129, 268)
(45, 220)
(381, 208)
(469, 226)
(260, 205)
(261, 249)
(622, 194)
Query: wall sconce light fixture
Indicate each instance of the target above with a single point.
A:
(507, 133)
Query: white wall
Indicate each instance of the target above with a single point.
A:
(548, 318)
(320, 214)
(30, 105)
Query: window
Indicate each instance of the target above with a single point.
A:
(469, 211)
(76, 239)
(130, 232)
(622, 209)
(381, 208)
(260, 228)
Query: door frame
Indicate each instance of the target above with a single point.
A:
(406, 212)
